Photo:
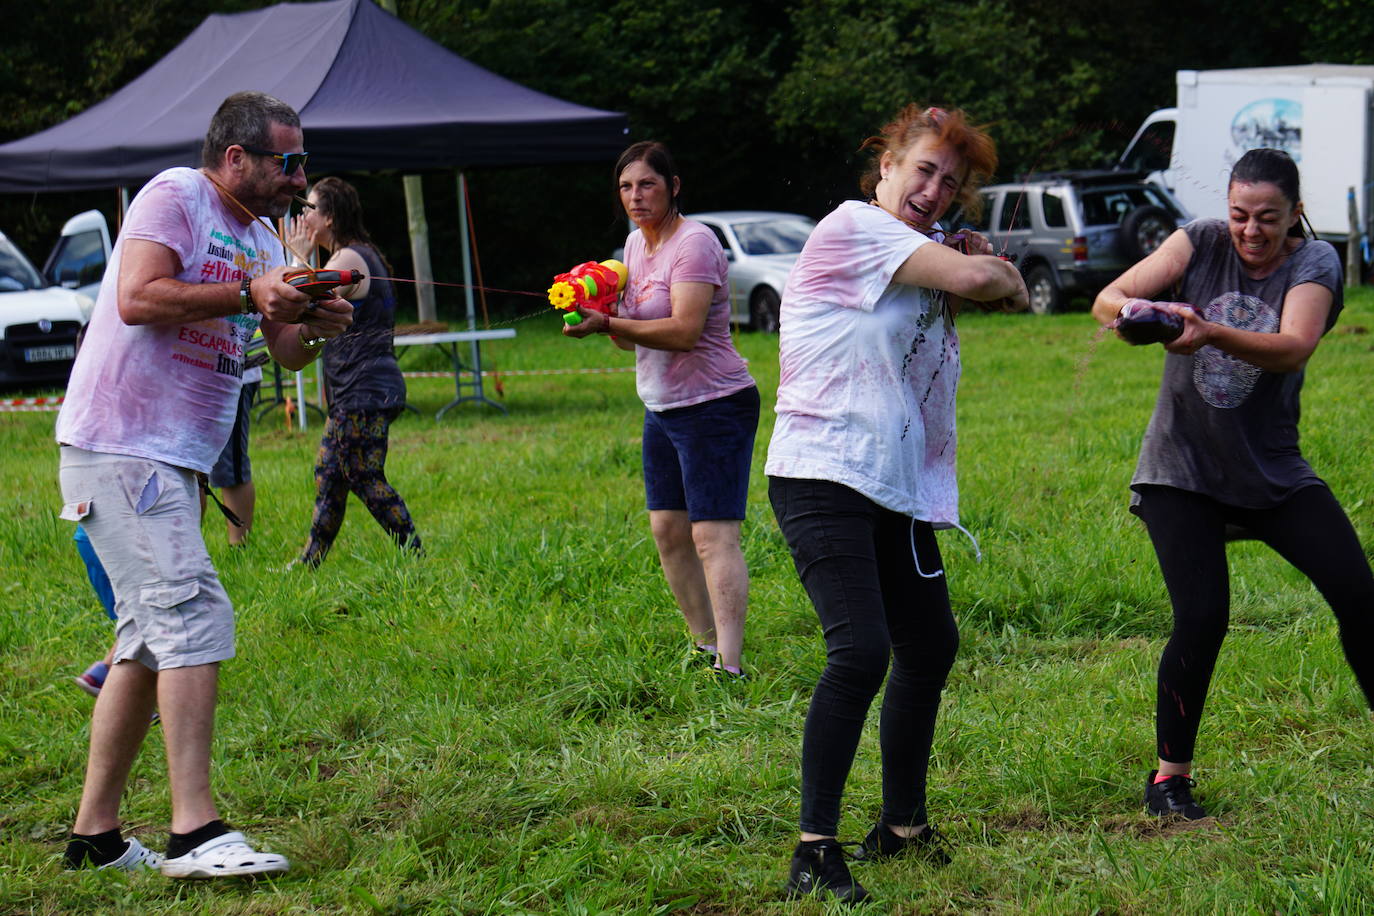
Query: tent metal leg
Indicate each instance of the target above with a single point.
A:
(467, 378)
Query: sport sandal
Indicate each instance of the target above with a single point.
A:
(225, 856)
(136, 857)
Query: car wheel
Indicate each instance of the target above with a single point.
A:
(1045, 295)
(763, 310)
(1143, 230)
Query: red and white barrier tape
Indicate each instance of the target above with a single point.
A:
(30, 405)
(514, 372)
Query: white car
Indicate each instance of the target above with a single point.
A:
(761, 247)
(41, 314)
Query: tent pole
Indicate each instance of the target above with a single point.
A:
(467, 249)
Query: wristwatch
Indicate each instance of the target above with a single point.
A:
(246, 304)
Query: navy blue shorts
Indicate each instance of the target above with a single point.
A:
(697, 458)
(232, 467)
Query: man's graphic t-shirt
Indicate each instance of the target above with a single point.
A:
(169, 392)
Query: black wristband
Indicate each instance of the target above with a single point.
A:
(246, 304)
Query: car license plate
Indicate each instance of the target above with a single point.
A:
(48, 354)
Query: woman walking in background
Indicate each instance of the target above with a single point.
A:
(701, 407)
(1220, 457)
(366, 389)
(861, 470)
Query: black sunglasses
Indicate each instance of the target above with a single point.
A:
(289, 161)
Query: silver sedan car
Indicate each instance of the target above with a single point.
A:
(761, 247)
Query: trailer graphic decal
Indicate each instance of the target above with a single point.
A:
(1272, 123)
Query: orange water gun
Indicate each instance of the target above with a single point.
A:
(319, 284)
(590, 286)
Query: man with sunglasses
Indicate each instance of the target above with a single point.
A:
(150, 404)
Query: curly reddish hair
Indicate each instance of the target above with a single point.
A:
(951, 129)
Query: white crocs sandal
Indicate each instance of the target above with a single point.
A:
(225, 856)
(136, 857)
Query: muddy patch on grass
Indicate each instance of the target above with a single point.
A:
(1159, 827)
(1026, 819)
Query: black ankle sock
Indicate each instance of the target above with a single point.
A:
(178, 844)
(96, 849)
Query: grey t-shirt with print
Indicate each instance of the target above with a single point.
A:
(1221, 426)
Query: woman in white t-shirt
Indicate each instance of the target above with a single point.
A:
(861, 469)
(701, 407)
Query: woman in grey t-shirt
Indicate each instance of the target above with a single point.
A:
(1220, 456)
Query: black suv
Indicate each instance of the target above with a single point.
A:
(1074, 232)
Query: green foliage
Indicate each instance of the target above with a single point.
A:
(974, 56)
(104, 44)
(763, 103)
(1338, 31)
(508, 725)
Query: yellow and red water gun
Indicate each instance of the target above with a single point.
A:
(590, 286)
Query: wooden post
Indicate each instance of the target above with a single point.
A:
(419, 230)
(1352, 245)
(419, 245)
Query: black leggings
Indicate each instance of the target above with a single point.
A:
(1188, 530)
(855, 560)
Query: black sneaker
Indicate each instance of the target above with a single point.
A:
(881, 843)
(1172, 798)
(819, 868)
(730, 677)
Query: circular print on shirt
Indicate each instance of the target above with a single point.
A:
(1221, 379)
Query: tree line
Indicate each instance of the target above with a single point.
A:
(763, 102)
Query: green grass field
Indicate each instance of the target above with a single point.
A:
(507, 725)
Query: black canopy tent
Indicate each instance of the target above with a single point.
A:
(372, 92)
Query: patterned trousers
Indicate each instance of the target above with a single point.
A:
(352, 457)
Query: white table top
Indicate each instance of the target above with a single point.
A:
(408, 340)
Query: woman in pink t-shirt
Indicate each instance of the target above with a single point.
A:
(701, 405)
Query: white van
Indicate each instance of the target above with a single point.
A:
(1318, 113)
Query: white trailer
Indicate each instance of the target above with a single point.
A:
(1317, 113)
